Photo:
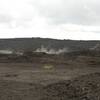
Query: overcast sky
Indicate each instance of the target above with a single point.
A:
(61, 19)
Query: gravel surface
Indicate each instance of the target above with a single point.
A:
(85, 87)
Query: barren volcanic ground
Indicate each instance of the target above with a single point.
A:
(75, 80)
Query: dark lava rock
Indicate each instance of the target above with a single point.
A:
(86, 87)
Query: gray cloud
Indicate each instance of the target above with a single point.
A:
(85, 12)
(63, 19)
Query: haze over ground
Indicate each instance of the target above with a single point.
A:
(60, 19)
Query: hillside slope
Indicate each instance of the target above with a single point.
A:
(34, 43)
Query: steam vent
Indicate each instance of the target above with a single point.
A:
(96, 47)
